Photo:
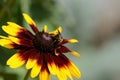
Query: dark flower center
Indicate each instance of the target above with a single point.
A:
(45, 42)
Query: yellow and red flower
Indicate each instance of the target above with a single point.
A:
(42, 52)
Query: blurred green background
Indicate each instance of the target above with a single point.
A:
(95, 23)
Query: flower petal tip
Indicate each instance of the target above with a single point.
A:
(24, 14)
(2, 37)
(28, 19)
(59, 29)
(45, 28)
(75, 53)
(73, 40)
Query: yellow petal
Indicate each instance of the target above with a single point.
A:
(75, 53)
(21, 41)
(33, 58)
(35, 70)
(31, 22)
(3, 37)
(45, 28)
(30, 63)
(17, 64)
(15, 61)
(6, 43)
(15, 40)
(74, 70)
(29, 19)
(14, 25)
(12, 29)
(13, 58)
(72, 40)
(44, 75)
(66, 70)
(69, 41)
(58, 30)
(61, 74)
(53, 68)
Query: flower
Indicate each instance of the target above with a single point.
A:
(42, 52)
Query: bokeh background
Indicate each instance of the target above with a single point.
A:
(95, 23)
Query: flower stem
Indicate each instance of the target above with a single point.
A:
(27, 75)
